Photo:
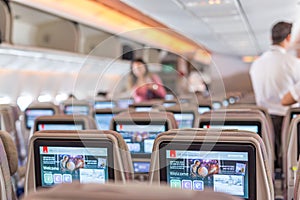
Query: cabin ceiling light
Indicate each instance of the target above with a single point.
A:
(96, 13)
(5, 100)
(24, 101)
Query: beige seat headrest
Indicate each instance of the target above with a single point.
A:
(11, 151)
(76, 191)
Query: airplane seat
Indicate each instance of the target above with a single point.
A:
(245, 117)
(76, 107)
(291, 113)
(8, 165)
(181, 147)
(34, 110)
(105, 153)
(129, 123)
(291, 157)
(76, 191)
(62, 122)
(184, 113)
(296, 193)
(146, 106)
(103, 116)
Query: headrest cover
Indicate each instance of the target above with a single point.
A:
(11, 151)
(76, 191)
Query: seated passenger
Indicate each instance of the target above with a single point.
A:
(143, 84)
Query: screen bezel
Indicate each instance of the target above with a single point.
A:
(71, 143)
(88, 109)
(26, 116)
(234, 123)
(60, 123)
(294, 113)
(139, 155)
(193, 122)
(195, 146)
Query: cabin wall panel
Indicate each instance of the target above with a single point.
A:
(23, 33)
(230, 72)
(60, 35)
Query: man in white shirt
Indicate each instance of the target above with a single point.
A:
(272, 74)
(293, 96)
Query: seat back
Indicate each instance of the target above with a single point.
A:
(296, 193)
(244, 116)
(103, 117)
(9, 120)
(291, 113)
(292, 156)
(33, 111)
(139, 130)
(124, 103)
(123, 192)
(45, 142)
(186, 115)
(212, 141)
(8, 165)
(64, 122)
(145, 106)
(76, 107)
(104, 103)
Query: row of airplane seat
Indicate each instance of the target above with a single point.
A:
(191, 159)
(8, 166)
(240, 117)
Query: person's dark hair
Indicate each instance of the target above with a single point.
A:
(134, 78)
(280, 31)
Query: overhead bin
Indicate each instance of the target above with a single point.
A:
(5, 22)
(35, 28)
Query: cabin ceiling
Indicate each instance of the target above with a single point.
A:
(233, 27)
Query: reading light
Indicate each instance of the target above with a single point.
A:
(249, 59)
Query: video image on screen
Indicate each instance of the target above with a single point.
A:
(76, 110)
(103, 120)
(104, 104)
(198, 170)
(124, 103)
(184, 120)
(60, 126)
(203, 109)
(141, 167)
(140, 138)
(253, 128)
(143, 108)
(32, 114)
(66, 164)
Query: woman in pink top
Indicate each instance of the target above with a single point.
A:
(144, 85)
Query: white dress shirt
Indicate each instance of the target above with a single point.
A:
(272, 75)
(295, 92)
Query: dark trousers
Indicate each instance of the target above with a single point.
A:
(277, 124)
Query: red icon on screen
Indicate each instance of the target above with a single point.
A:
(45, 149)
(172, 154)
